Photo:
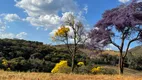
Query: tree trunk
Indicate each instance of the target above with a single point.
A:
(121, 63)
(73, 60)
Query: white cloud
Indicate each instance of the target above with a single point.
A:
(110, 47)
(44, 7)
(6, 35)
(11, 17)
(124, 1)
(45, 13)
(66, 15)
(52, 32)
(96, 28)
(86, 9)
(139, 0)
(2, 26)
(44, 21)
(4, 19)
(21, 35)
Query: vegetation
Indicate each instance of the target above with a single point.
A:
(74, 56)
(77, 35)
(61, 67)
(134, 58)
(22, 55)
(43, 58)
(123, 23)
(46, 76)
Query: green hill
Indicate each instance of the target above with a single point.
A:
(137, 50)
(22, 55)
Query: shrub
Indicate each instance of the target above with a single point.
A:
(134, 61)
(105, 59)
(80, 63)
(96, 70)
(8, 69)
(82, 70)
(5, 62)
(61, 67)
(48, 66)
(108, 71)
(101, 70)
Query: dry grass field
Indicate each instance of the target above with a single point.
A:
(4, 75)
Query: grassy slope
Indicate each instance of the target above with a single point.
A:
(127, 71)
(47, 76)
(137, 50)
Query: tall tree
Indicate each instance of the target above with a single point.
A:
(122, 23)
(72, 29)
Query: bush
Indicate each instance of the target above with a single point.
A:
(80, 63)
(96, 70)
(61, 67)
(82, 70)
(101, 70)
(106, 59)
(134, 61)
(47, 66)
(108, 71)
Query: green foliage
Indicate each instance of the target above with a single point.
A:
(105, 59)
(82, 70)
(134, 61)
(108, 71)
(22, 55)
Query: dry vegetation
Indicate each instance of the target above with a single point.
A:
(47, 76)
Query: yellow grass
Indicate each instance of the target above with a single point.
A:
(4, 75)
(111, 52)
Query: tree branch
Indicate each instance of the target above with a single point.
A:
(114, 43)
(135, 39)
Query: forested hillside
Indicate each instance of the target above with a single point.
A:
(22, 55)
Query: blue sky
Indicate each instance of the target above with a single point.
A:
(36, 20)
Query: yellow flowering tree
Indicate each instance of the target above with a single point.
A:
(78, 36)
(61, 34)
(61, 67)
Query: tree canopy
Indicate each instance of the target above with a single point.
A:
(123, 23)
(125, 19)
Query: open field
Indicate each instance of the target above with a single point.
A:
(47, 76)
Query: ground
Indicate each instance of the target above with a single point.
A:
(8, 75)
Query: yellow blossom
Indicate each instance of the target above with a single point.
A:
(4, 62)
(8, 69)
(59, 67)
(80, 63)
(96, 69)
(62, 31)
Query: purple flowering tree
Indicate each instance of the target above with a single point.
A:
(123, 23)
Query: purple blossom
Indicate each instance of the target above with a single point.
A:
(124, 18)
